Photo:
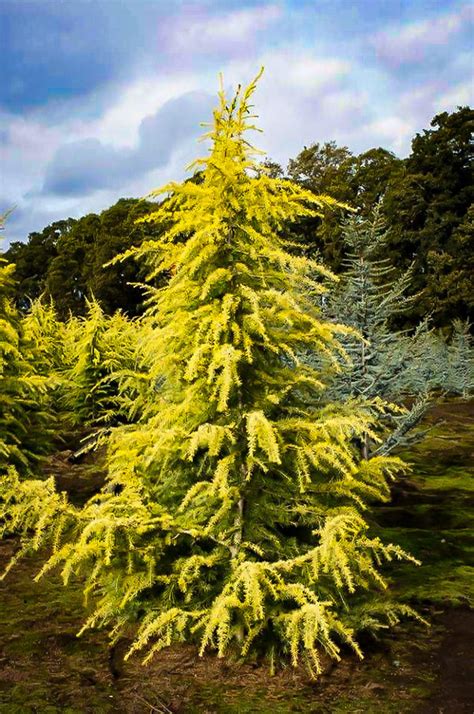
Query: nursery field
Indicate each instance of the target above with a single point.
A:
(46, 668)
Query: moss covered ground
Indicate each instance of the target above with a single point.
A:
(45, 668)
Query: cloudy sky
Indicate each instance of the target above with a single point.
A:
(103, 98)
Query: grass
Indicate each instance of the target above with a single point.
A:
(432, 515)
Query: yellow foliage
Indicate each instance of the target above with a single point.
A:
(233, 506)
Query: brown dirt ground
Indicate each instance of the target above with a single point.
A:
(45, 668)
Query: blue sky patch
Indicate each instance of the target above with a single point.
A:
(103, 98)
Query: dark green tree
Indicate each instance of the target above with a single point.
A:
(428, 207)
(66, 279)
(32, 260)
(359, 181)
(449, 292)
(370, 175)
(113, 286)
(323, 169)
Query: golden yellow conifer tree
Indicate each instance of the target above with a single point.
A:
(233, 512)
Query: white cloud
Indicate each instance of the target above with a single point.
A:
(291, 81)
(459, 95)
(297, 96)
(222, 31)
(391, 132)
(408, 43)
(88, 165)
(27, 148)
(304, 96)
(419, 99)
(143, 97)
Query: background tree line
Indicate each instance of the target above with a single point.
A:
(426, 199)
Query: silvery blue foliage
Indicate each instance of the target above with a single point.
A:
(461, 360)
(386, 367)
